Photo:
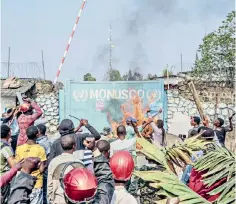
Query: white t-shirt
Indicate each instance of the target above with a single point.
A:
(126, 144)
(121, 196)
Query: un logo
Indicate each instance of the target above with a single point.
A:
(80, 95)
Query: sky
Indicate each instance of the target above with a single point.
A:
(146, 34)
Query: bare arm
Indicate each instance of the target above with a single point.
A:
(38, 112)
(78, 128)
(230, 123)
(154, 127)
(42, 166)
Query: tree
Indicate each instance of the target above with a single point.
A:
(113, 75)
(89, 77)
(217, 52)
(133, 76)
(151, 76)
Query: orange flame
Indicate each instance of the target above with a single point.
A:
(133, 108)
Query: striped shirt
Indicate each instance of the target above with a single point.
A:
(86, 156)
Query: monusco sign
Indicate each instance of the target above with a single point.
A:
(83, 95)
(108, 104)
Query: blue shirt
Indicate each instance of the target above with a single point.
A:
(45, 143)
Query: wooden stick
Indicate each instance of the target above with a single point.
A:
(196, 99)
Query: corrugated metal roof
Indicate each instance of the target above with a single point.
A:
(25, 86)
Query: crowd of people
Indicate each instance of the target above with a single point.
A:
(77, 167)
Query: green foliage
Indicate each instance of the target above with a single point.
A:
(168, 185)
(151, 76)
(89, 77)
(114, 75)
(133, 76)
(217, 51)
(218, 161)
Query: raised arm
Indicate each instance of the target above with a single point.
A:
(91, 129)
(38, 111)
(230, 128)
(154, 127)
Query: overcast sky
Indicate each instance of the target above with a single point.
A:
(147, 34)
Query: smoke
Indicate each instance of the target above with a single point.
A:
(112, 107)
(145, 13)
(138, 21)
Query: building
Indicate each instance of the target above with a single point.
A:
(9, 88)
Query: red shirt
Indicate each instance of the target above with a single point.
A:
(7, 177)
(25, 121)
(197, 185)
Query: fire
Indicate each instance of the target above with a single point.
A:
(133, 108)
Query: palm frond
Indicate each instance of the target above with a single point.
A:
(169, 186)
(152, 152)
(179, 154)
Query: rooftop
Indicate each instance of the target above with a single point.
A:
(18, 85)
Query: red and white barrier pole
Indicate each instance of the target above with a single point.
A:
(70, 39)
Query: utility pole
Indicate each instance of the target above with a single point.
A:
(181, 62)
(167, 76)
(8, 64)
(43, 65)
(110, 51)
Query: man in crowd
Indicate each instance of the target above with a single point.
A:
(31, 149)
(27, 118)
(67, 128)
(43, 141)
(42, 138)
(104, 147)
(55, 192)
(122, 143)
(122, 166)
(84, 191)
(221, 131)
(11, 120)
(129, 128)
(25, 182)
(195, 122)
(7, 157)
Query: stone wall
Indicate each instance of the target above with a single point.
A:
(47, 97)
(178, 103)
(50, 106)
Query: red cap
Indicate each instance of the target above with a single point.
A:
(122, 165)
(80, 185)
(24, 107)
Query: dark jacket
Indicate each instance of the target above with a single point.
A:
(56, 148)
(25, 183)
(22, 187)
(106, 183)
